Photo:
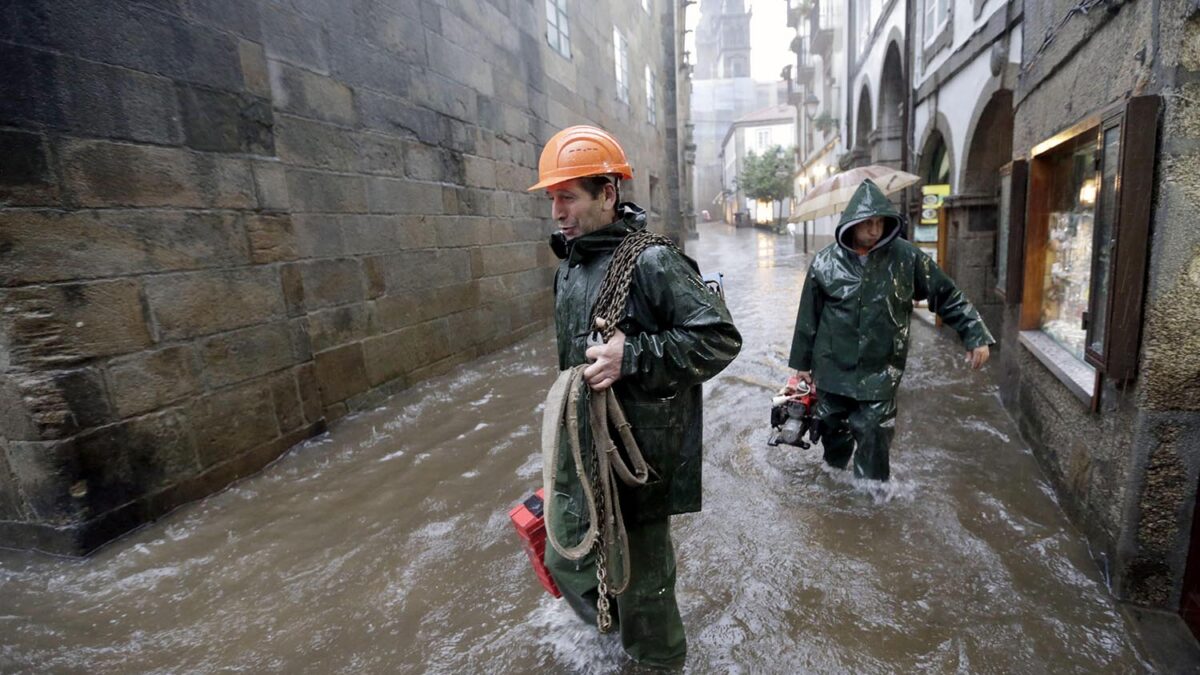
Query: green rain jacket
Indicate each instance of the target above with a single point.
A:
(678, 334)
(852, 325)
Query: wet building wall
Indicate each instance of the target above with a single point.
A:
(974, 58)
(225, 224)
(1126, 462)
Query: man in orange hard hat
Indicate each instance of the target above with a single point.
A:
(675, 334)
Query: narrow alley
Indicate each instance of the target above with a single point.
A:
(384, 545)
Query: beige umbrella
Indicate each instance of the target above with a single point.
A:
(834, 193)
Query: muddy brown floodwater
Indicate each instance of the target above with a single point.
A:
(384, 546)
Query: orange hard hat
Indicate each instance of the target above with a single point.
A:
(580, 151)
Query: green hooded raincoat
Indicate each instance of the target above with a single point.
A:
(852, 325)
(852, 331)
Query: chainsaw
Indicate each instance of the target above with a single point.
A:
(793, 415)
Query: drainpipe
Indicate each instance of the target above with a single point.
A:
(905, 138)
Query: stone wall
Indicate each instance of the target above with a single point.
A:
(1165, 459)
(225, 224)
(971, 263)
(1128, 472)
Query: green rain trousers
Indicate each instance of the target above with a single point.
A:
(646, 614)
(862, 428)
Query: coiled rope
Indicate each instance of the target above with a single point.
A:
(606, 533)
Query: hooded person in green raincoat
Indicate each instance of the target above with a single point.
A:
(851, 336)
(675, 335)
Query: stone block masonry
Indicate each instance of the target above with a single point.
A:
(226, 224)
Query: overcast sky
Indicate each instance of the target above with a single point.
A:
(769, 38)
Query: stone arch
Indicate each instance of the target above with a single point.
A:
(989, 141)
(938, 130)
(887, 147)
(864, 122)
(896, 38)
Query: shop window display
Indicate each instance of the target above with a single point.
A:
(1076, 262)
(1068, 262)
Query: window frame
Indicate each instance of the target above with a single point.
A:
(1093, 358)
(651, 97)
(621, 65)
(1132, 187)
(1134, 184)
(932, 32)
(561, 27)
(863, 26)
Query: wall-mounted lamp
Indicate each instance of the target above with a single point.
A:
(810, 105)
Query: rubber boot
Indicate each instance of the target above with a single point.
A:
(646, 615)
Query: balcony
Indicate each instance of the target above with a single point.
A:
(804, 70)
(820, 18)
(804, 67)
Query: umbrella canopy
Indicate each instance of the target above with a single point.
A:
(832, 195)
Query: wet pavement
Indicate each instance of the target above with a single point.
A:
(384, 546)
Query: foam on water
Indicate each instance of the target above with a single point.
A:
(575, 646)
(881, 492)
(980, 425)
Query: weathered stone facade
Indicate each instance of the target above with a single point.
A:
(1128, 471)
(225, 224)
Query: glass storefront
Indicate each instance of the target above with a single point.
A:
(1068, 268)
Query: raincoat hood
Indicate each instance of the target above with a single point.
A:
(630, 218)
(868, 201)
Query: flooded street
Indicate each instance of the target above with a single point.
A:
(385, 546)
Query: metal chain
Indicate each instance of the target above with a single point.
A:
(614, 291)
(603, 613)
(610, 306)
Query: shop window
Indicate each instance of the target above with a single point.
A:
(1085, 246)
(1067, 257)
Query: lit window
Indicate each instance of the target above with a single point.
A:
(621, 60)
(651, 98)
(1066, 280)
(558, 31)
(936, 14)
(1086, 237)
